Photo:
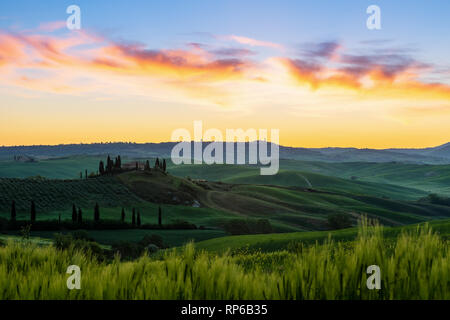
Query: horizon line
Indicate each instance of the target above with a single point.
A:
(193, 141)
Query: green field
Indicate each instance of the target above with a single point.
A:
(282, 241)
(413, 265)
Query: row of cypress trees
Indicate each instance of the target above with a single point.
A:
(136, 219)
(77, 214)
(110, 166)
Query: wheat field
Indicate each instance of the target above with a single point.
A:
(415, 265)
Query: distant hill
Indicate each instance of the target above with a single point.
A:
(434, 155)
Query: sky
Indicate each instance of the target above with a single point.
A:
(139, 70)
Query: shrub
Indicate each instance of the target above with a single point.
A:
(152, 239)
(69, 242)
(436, 199)
(127, 250)
(339, 221)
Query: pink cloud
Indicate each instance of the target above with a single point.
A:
(52, 26)
(253, 42)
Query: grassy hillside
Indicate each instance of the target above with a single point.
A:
(275, 242)
(428, 178)
(211, 204)
(58, 168)
(251, 175)
(51, 195)
(418, 179)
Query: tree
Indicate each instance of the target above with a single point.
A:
(80, 215)
(108, 165)
(59, 218)
(157, 163)
(123, 215)
(133, 217)
(74, 214)
(159, 216)
(139, 219)
(13, 211)
(164, 165)
(96, 213)
(119, 162)
(147, 166)
(101, 168)
(339, 221)
(137, 166)
(33, 211)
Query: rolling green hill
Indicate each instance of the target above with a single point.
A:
(293, 207)
(291, 178)
(423, 177)
(287, 207)
(428, 178)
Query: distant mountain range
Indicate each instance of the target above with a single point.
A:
(434, 155)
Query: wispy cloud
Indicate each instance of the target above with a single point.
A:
(382, 74)
(212, 72)
(191, 70)
(252, 42)
(52, 26)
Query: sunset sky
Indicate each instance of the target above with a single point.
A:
(138, 70)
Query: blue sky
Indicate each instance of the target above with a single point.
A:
(366, 88)
(159, 23)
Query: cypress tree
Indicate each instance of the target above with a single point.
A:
(74, 214)
(137, 166)
(157, 163)
(101, 168)
(96, 213)
(123, 215)
(147, 165)
(133, 217)
(59, 218)
(159, 216)
(164, 165)
(85, 173)
(13, 211)
(119, 160)
(33, 211)
(108, 165)
(139, 218)
(80, 215)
